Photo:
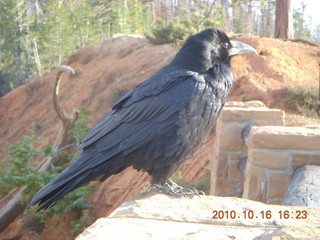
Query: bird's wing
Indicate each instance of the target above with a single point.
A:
(138, 117)
(141, 108)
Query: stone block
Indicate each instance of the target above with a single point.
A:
(228, 187)
(275, 137)
(278, 184)
(263, 122)
(234, 156)
(232, 114)
(267, 159)
(222, 164)
(304, 159)
(279, 122)
(234, 171)
(245, 151)
(267, 113)
(255, 184)
(230, 137)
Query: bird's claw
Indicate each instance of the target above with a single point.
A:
(173, 189)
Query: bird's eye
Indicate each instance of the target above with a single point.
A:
(226, 45)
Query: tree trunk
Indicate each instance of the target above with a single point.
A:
(2, 87)
(269, 25)
(36, 57)
(283, 19)
(304, 188)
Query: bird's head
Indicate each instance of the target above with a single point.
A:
(207, 48)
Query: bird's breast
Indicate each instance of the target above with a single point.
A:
(197, 119)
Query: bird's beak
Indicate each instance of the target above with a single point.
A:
(240, 48)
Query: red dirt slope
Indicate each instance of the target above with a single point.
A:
(104, 70)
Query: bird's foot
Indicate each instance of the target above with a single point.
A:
(173, 189)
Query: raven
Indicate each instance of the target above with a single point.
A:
(160, 123)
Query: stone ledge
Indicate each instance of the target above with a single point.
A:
(253, 103)
(158, 216)
(230, 114)
(275, 137)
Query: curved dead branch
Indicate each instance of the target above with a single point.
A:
(67, 121)
(10, 209)
(56, 103)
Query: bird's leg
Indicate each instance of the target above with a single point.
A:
(173, 189)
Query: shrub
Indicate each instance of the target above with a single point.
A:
(164, 32)
(304, 100)
(80, 128)
(17, 170)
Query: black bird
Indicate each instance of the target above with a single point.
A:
(160, 123)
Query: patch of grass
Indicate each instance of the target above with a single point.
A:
(304, 100)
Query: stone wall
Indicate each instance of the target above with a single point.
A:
(255, 154)
(274, 153)
(230, 150)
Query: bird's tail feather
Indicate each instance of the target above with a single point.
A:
(58, 188)
(75, 176)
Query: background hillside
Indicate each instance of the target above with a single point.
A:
(107, 69)
(36, 35)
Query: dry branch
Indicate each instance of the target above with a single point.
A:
(14, 207)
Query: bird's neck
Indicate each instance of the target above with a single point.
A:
(191, 58)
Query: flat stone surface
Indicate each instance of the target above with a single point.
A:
(162, 217)
(275, 137)
(253, 103)
(236, 114)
